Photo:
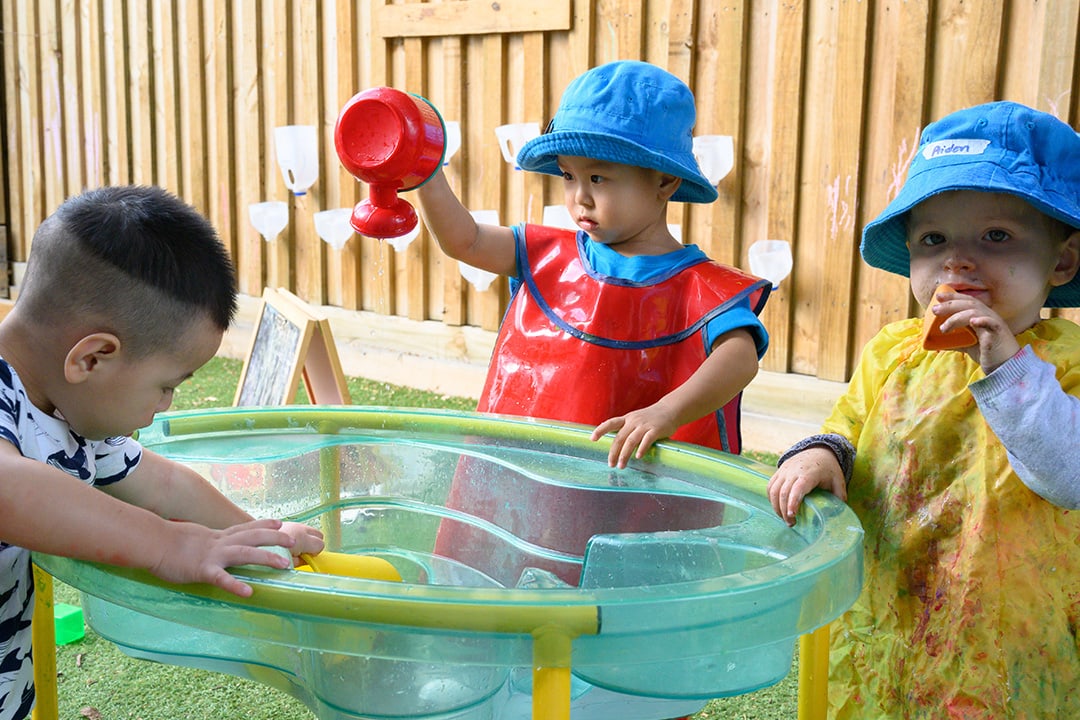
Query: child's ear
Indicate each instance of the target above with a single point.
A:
(88, 354)
(668, 185)
(1068, 260)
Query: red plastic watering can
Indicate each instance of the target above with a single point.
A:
(394, 142)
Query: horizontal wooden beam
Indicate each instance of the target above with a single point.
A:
(472, 17)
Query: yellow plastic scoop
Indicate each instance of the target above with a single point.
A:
(344, 564)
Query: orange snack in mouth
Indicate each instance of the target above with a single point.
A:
(934, 339)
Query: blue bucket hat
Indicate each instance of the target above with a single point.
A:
(626, 112)
(999, 147)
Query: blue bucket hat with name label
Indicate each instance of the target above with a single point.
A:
(626, 112)
(999, 147)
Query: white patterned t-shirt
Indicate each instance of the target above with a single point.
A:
(43, 437)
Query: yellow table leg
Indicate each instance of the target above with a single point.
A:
(43, 632)
(551, 675)
(814, 675)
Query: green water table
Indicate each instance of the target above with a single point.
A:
(536, 580)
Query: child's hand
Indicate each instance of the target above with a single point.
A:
(193, 553)
(636, 431)
(996, 341)
(306, 539)
(814, 467)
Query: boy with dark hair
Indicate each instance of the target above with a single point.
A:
(127, 292)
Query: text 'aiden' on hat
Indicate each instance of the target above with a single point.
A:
(626, 112)
(999, 147)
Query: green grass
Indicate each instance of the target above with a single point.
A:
(95, 676)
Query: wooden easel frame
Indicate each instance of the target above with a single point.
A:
(291, 341)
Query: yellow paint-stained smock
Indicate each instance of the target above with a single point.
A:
(971, 602)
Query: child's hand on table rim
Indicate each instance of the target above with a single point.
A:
(814, 467)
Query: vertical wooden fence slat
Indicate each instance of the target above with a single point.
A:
(965, 54)
(411, 266)
(138, 80)
(90, 134)
(32, 190)
(720, 50)
(14, 134)
(70, 96)
(163, 111)
(1046, 28)
(274, 60)
(339, 85)
(672, 49)
(310, 256)
(486, 307)
(54, 170)
(894, 121)
(190, 91)
(450, 303)
(244, 58)
(531, 79)
(348, 84)
(114, 88)
(771, 154)
(329, 188)
(219, 122)
(833, 115)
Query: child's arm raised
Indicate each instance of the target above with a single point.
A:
(45, 509)
(488, 247)
(730, 367)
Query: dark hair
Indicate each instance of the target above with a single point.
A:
(135, 260)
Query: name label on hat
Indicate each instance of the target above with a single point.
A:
(945, 148)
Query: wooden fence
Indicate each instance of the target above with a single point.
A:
(825, 101)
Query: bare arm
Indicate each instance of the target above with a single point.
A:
(488, 247)
(45, 509)
(175, 491)
(729, 368)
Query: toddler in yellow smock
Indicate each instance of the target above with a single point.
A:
(962, 464)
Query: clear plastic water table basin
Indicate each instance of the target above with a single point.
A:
(532, 573)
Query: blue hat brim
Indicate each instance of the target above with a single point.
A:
(884, 240)
(541, 155)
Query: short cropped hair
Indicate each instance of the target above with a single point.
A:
(132, 260)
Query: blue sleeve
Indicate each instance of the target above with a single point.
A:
(738, 316)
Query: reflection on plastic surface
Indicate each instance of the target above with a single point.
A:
(673, 578)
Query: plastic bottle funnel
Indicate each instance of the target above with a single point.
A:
(511, 138)
(393, 141)
(334, 227)
(453, 140)
(771, 259)
(269, 218)
(298, 156)
(715, 155)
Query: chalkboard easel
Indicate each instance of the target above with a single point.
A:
(291, 341)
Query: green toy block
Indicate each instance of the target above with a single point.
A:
(69, 623)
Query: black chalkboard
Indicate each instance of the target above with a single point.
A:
(290, 341)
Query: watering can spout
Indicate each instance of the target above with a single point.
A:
(395, 142)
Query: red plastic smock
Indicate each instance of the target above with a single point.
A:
(582, 348)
